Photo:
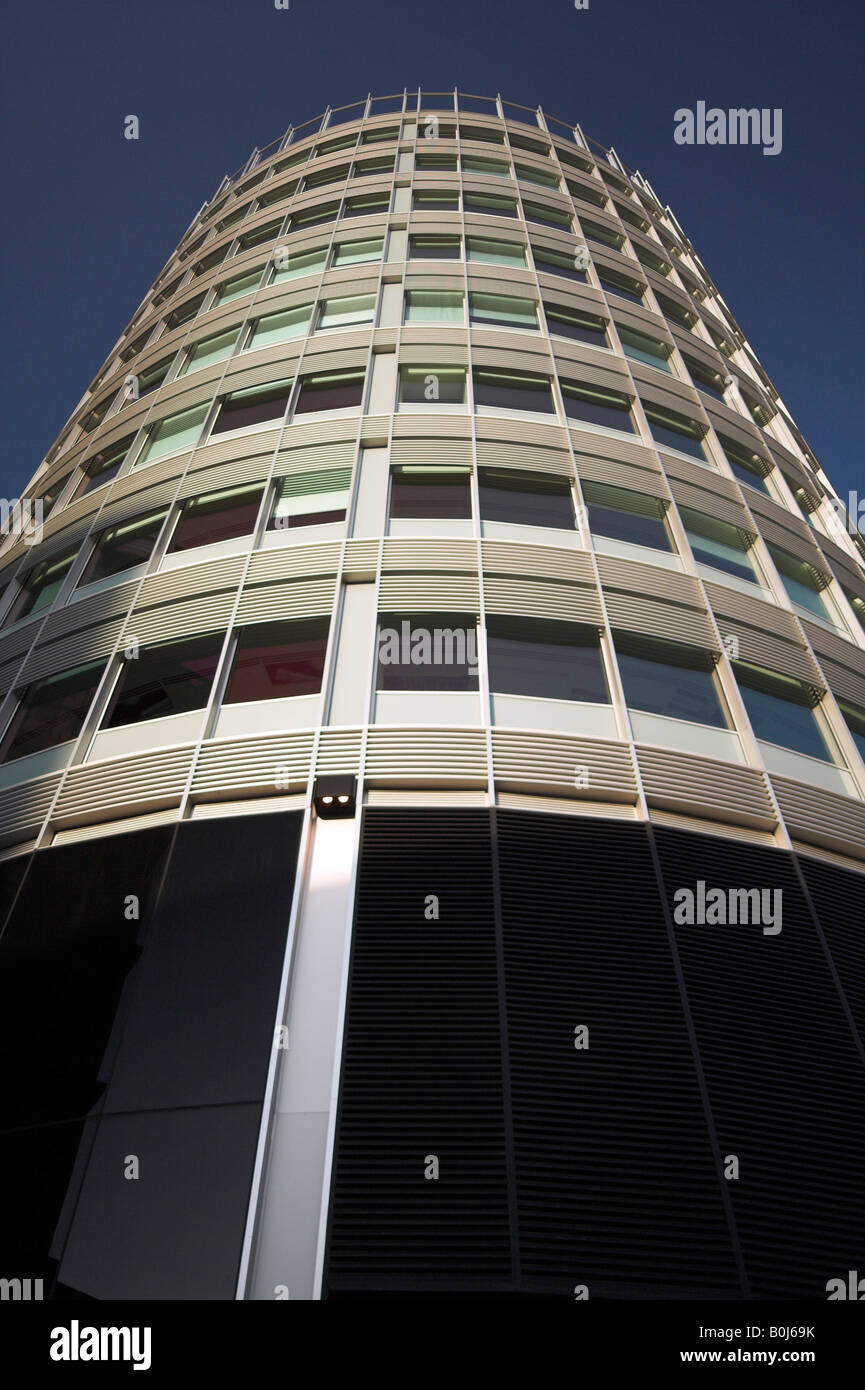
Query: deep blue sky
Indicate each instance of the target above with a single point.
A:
(91, 217)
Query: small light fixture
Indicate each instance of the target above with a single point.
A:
(335, 798)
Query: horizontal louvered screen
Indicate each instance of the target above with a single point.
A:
(433, 592)
(147, 782)
(253, 765)
(74, 650)
(781, 1100)
(542, 600)
(719, 791)
(274, 602)
(542, 561)
(451, 554)
(667, 620)
(504, 454)
(527, 758)
(171, 622)
(432, 452)
(449, 756)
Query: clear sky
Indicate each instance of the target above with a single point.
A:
(91, 217)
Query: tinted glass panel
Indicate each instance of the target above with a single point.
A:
(121, 547)
(276, 660)
(525, 500)
(205, 520)
(547, 660)
(657, 679)
(169, 679)
(330, 391)
(513, 391)
(782, 721)
(52, 711)
(430, 495)
(430, 651)
(251, 408)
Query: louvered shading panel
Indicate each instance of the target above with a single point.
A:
(147, 782)
(421, 1066)
(842, 663)
(779, 1103)
(73, 650)
(24, 808)
(766, 635)
(421, 757)
(821, 817)
(540, 561)
(339, 750)
(293, 562)
(409, 554)
(304, 598)
(539, 599)
(673, 621)
(253, 766)
(705, 786)
(616, 1185)
(434, 593)
(527, 759)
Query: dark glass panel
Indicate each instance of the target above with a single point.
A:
(252, 408)
(330, 391)
(429, 651)
(660, 678)
(172, 678)
(51, 711)
(513, 391)
(203, 521)
(276, 660)
(121, 547)
(525, 499)
(546, 660)
(430, 495)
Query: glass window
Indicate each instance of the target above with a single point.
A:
(120, 547)
(237, 286)
(855, 720)
(41, 586)
(513, 390)
(216, 516)
(524, 498)
(644, 349)
(624, 515)
(652, 262)
(311, 499)
(103, 467)
(427, 651)
(428, 200)
(718, 544)
(544, 659)
(432, 385)
(502, 311)
(351, 312)
(597, 407)
(594, 231)
(152, 377)
(185, 311)
(489, 203)
(527, 174)
(372, 137)
(278, 328)
(313, 217)
(258, 236)
(358, 252)
(417, 492)
(747, 467)
(550, 262)
(319, 177)
(495, 168)
(433, 306)
(801, 583)
(366, 205)
(674, 430)
(51, 711)
(207, 350)
(622, 285)
(431, 162)
(276, 661)
(330, 391)
(490, 252)
(344, 142)
(548, 217)
(522, 142)
(434, 248)
(254, 406)
(671, 309)
(704, 379)
(781, 711)
(277, 195)
(670, 679)
(481, 134)
(565, 322)
(291, 264)
(170, 678)
(175, 432)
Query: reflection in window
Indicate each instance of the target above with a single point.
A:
(642, 348)
(624, 515)
(330, 391)
(255, 406)
(523, 498)
(276, 661)
(216, 516)
(676, 431)
(803, 584)
(595, 406)
(417, 492)
(103, 467)
(120, 547)
(565, 322)
(278, 328)
(669, 678)
(51, 711)
(432, 385)
(41, 586)
(490, 252)
(544, 659)
(502, 311)
(207, 350)
(781, 710)
(434, 248)
(311, 499)
(427, 651)
(719, 544)
(513, 390)
(433, 306)
(351, 312)
(288, 265)
(171, 678)
(175, 432)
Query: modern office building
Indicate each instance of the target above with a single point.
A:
(433, 797)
